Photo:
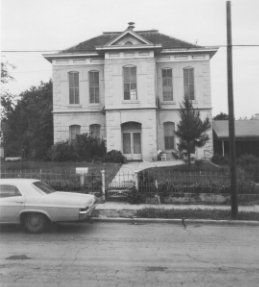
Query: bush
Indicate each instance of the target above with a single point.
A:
(84, 148)
(88, 148)
(248, 160)
(63, 151)
(115, 156)
(219, 159)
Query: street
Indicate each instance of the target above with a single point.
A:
(128, 254)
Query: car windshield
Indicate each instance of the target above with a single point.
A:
(44, 187)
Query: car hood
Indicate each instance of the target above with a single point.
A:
(71, 198)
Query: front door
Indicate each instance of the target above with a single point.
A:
(132, 145)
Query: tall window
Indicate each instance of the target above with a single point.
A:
(95, 131)
(167, 82)
(94, 89)
(130, 82)
(74, 130)
(73, 80)
(169, 129)
(188, 77)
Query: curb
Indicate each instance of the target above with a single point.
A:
(175, 221)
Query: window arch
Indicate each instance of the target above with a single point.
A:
(74, 130)
(130, 82)
(129, 43)
(95, 131)
(73, 82)
(188, 78)
(169, 133)
(94, 87)
(167, 83)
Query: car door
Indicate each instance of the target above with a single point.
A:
(11, 203)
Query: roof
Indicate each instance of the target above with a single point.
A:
(151, 35)
(243, 128)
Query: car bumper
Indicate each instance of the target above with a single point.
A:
(85, 214)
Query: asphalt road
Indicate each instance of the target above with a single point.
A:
(122, 254)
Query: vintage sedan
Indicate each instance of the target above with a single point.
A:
(35, 204)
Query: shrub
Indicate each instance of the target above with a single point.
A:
(84, 148)
(250, 164)
(219, 159)
(63, 151)
(115, 156)
(248, 160)
(89, 148)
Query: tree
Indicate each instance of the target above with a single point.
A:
(191, 129)
(29, 125)
(221, 117)
(7, 100)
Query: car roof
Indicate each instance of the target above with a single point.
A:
(17, 180)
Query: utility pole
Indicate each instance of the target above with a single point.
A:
(232, 144)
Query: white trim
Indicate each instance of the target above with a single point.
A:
(133, 47)
(191, 50)
(50, 57)
(77, 111)
(134, 35)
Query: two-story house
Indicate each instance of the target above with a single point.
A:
(126, 87)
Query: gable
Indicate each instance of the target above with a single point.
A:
(128, 38)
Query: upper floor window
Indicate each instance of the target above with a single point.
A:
(169, 129)
(74, 130)
(130, 82)
(94, 90)
(167, 82)
(188, 78)
(73, 80)
(95, 131)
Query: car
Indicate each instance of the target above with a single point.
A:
(35, 204)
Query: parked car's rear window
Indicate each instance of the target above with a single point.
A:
(7, 190)
(44, 187)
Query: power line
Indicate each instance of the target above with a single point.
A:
(83, 50)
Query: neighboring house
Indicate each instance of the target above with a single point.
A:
(126, 87)
(246, 133)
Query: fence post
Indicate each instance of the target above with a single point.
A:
(136, 180)
(103, 184)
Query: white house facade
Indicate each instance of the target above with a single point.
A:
(127, 87)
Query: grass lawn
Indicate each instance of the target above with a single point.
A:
(184, 175)
(194, 214)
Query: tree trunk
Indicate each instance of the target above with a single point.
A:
(189, 154)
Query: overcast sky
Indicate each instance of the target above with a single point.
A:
(59, 24)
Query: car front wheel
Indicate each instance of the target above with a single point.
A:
(35, 222)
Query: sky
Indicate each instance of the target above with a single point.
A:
(46, 25)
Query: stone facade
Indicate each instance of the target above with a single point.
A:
(135, 126)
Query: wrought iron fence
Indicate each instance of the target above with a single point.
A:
(62, 181)
(180, 181)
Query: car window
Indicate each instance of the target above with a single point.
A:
(44, 187)
(8, 190)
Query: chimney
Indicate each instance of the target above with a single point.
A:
(131, 26)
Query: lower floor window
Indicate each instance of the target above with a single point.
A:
(74, 130)
(95, 131)
(169, 128)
